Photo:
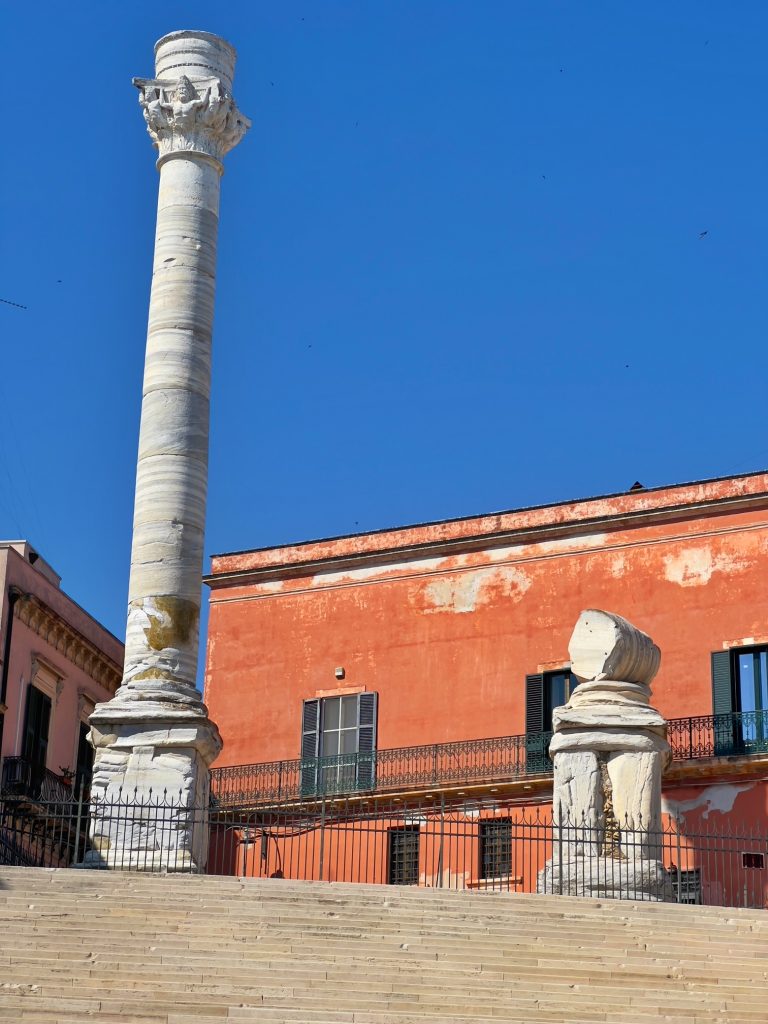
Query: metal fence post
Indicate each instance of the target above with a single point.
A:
(440, 848)
(322, 839)
(679, 863)
(79, 817)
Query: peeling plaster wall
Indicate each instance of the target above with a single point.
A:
(446, 620)
(738, 806)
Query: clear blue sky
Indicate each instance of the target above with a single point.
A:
(460, 263)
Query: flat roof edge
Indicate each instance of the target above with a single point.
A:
(484, 515)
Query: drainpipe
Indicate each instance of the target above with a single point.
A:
(13, 596)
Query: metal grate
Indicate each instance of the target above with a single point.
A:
(404, 855)
(687, 885)
(753, 860)
(495, 847)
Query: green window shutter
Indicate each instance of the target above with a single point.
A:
(534, 704)
(724, 724)
(722, 683)
(536, 741)
(310, 741)
(45, 721)
(28, 746)
(37, 719)
(36, 722)
(367, 715)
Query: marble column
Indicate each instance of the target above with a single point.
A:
(155, 735)
(609, 750)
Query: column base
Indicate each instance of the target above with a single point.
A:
(151, 787)
(607, 878)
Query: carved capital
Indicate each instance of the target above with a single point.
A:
(186, 117)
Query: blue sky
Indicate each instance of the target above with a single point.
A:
(461, 264)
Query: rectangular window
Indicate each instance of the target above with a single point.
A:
(338, 748)
(495, 847)
(753, 860)
(558, 687)
(687, 885)
(84, 767)
(403, 867)
(752, 679)
(35, 749)
(740, 700)
(544, 692)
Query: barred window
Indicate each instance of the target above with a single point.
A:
(403, 868)
(753, 860)
(495, 847)
(687, 885)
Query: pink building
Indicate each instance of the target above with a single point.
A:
(57, 662)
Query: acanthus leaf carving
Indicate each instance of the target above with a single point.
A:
(183, 117)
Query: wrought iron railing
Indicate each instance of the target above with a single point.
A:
(459, 843)
(461, 763)
(23, 779)
(718, 735)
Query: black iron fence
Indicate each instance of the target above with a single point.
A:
(470, 845)
(24, 778)
(461, 763)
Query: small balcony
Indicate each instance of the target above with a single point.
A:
(25, 781)
(465, 762)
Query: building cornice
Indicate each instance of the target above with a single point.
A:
(433, 540)
(63, 637)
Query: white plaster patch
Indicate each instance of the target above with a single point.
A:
(694, 567)
(465, 592)
(375, 571)
(720, 798)
(583, 540)
(618, 565)
(270, 587)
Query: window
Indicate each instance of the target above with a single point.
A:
(740, 700)
(753, 860)
(84, 767)
(403, 867)
(495, 847)
(338, 744)
(543, 693)
(36, 722)
(558, 687)
(687, 885)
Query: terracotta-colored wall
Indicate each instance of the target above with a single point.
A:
(707, 827)
(447, 636)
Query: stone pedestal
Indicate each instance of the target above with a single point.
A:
(154, 741)
(609, 750)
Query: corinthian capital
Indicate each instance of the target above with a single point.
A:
(183, 117)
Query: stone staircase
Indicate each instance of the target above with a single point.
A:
(81, 946)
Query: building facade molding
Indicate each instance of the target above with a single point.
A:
(461, 536)
(63, 637)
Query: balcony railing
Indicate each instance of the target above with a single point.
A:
(461, 763)
(24, 780)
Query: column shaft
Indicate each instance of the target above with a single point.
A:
(171, 478)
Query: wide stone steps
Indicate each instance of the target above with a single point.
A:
(148, 949)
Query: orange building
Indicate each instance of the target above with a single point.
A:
(427, 659)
